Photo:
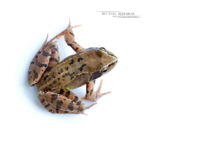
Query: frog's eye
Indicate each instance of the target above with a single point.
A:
(105, 69)
(102, 49)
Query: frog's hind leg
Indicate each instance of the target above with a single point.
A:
(62, 102)
(70, 39)
(90, 94)
(58, 103)
(55, 58)
(39, 63)
(44, 60)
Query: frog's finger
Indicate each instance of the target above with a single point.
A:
(39, 63)
(98, 93)
(58, 103)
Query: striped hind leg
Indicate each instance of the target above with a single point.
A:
(62, 102)
(44, 59)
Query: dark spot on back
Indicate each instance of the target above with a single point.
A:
(79, 59)
(67, 68)
(61, 91)
(45, 77)
(81, 68)
(72, 75)
(71, 62)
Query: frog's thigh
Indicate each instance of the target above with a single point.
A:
(54, 58)
(58, 103)
(70, 95)
(39, 63)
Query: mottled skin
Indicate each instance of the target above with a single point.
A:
(54, 78)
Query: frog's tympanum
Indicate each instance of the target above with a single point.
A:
(54, 79)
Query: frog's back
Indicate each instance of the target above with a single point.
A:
(72, 72)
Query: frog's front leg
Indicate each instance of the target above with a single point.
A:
(70, 39)
(62, 102)
(90, 94)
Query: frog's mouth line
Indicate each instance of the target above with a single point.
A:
(110, 66)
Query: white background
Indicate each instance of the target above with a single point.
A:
(165, 88)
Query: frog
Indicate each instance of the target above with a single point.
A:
(54, 79)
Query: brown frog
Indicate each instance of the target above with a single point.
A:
(54, 79)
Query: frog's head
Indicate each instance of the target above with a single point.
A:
(102, 61)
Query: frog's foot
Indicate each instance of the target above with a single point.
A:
(55, 38)
(70, 38)
(93, 96)
(62, 102)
